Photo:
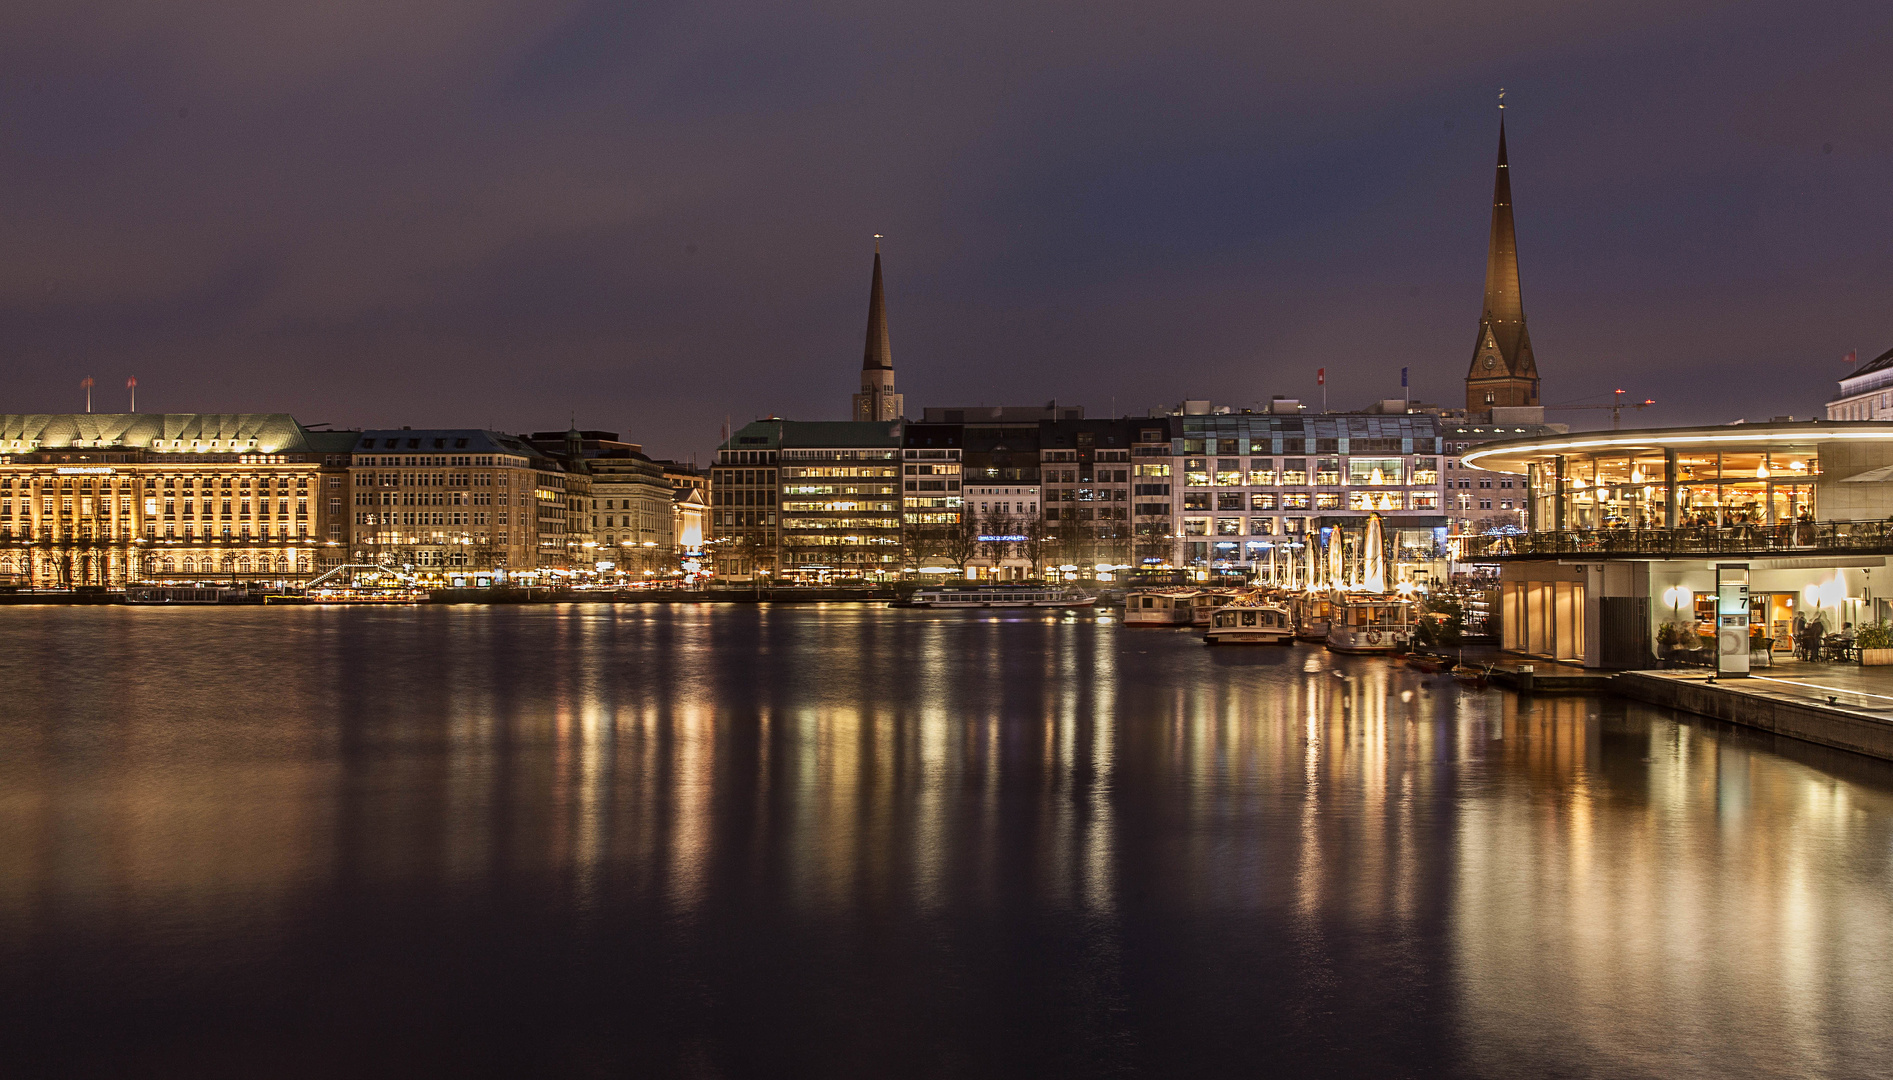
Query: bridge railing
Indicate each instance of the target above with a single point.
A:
(1785, 538)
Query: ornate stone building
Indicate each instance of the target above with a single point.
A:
(456, 499)
(100, 499)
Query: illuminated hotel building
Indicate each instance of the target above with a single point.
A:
(458, 499)
(1246, 483)
(100, 499)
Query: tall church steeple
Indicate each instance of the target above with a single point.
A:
(1503, 372)
(877, 399)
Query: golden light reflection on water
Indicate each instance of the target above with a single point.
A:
(1577, 877)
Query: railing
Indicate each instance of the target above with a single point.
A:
(1794, 538)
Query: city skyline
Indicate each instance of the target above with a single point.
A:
(1054, 223)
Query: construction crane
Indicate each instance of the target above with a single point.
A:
(1616, 406)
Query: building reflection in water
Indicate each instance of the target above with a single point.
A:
(1187, 837)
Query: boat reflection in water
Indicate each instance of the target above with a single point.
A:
(839, 840)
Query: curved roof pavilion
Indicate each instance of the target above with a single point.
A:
(1745, 478)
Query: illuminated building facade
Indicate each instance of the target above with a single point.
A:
(808, 500)
(1005, 519)
(455, 500)
(1243, 483)
(1085, 480)
(101, 499)
(1479, 500)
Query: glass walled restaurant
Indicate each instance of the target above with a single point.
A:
(1661, 487)
(1625, 530)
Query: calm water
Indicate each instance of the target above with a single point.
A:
(841, 841)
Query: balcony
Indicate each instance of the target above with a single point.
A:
(1813, 538)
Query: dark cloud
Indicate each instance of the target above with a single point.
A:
(657, 214)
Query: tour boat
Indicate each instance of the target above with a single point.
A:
(191, 594)
(1370, 623)
(1312, 612)
(400, 594)
(1160, 607)
(1250, 623)
(999, 597)
(1206, 601)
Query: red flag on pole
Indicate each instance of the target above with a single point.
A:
(1853, 356)
(1321, 376)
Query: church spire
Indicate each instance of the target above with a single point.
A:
(1503, 371)
(877, 399)
(879, 353)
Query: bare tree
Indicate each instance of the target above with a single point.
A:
(959, 541)
(1038, 533)
(997, 524)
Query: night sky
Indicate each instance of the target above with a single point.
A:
(655, 215)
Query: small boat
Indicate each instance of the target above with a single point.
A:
(999, 597)
(1431, 663)
(1370, 623)
(1160, 607)
(1250, 623)
(1475, 677)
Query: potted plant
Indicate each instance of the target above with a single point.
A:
(1875, 642)
(1672, 636)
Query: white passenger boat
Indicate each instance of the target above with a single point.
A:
(1251, 623)
(191, 594)
(1206, 601)
(1370, 623)
(1160, 607)
(999, 597)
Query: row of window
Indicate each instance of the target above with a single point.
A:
(426, 518)
(1235, 526)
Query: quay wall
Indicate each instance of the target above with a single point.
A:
(1809, 721)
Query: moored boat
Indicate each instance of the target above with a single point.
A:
(1370, 623)
(1206, 601)
(1160, 607)
(1250, 623)
(1475, 677)
(192, 594)
(999, 597)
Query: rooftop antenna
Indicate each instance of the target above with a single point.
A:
(87, 383)
(132, 385)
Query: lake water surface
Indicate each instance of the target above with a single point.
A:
(853, 841)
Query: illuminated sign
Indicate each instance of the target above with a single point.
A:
(993, 539)
(84, 470)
